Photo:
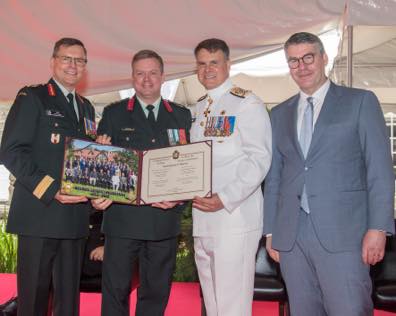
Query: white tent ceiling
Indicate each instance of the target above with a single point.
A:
(374, 61)
(114, 30)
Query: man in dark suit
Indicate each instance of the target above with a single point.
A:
(329, 193)
(51, 227)
(144, 232)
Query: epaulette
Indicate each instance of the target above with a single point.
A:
(114, 103)
(23, 91)
(202, 98)
(178, 105)
(239, 92)
(35, 85)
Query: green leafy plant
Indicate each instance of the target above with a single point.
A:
(185, 266)
(8, 250)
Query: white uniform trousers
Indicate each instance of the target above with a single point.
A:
(226, 267)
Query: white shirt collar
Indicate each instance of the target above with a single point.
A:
(156, 105)
(319, 94)
(216, 93)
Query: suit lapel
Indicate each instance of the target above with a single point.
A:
(291, 124)
(326, 115)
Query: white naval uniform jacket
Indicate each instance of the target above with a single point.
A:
(240, 161)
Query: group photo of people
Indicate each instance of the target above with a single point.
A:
(310, 179)
(93, 167)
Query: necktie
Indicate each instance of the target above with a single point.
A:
(305, 142)
(151, 117)
(70, 97)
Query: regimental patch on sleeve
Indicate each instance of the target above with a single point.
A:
(239, 92)
(202, 98)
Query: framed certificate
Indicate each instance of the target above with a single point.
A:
(176, 173)
(137, 177)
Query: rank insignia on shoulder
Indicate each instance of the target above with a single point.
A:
(239, 92)
(202, 98)
(22, 93)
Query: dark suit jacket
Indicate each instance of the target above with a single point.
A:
(348, 172)
(32, 150)
(129, 127)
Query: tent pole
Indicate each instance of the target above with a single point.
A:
(350, 53)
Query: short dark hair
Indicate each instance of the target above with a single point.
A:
(68, 41)
(303, 38)
(213, 45)
(147, 53)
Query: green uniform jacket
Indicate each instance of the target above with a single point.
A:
(32, 150)
(128, 127)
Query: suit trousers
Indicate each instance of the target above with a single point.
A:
(49, 267)
(226, 267)
(156, 266)
(324, 283)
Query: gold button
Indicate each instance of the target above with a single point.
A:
(90, 226)
(56, 124)
(153, 140)
(127, 138)
(202, 123)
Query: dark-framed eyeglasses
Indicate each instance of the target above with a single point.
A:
(67, 60)
(307, 59)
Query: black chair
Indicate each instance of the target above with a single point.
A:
(383, 275)
(268, 283)
(9, 308)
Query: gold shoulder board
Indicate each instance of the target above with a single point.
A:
(202, 98)
(239, 92)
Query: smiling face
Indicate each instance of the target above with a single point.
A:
(212, 68)
(68, 74)
(309, 77)
(147, 79)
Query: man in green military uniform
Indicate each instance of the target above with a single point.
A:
(145, 232)
(51, 227)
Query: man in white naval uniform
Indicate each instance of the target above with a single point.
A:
(228, 226)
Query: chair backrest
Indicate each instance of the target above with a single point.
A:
(265, 266)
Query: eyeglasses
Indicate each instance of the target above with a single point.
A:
(67, 60)
(307, 59)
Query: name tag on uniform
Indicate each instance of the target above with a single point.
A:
(54, 113)
(219, 126)
(177, 137)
